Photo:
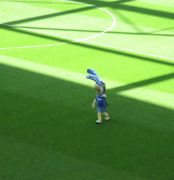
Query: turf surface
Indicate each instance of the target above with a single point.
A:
(47, 126)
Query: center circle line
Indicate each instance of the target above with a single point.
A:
(109, 28)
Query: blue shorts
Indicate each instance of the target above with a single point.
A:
(101, 109)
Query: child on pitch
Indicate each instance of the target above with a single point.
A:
(101, 105)
(100, 100)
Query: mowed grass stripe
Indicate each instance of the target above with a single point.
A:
(132, 144)
(137, 92)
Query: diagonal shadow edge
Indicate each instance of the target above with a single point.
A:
(95, 31)
(114, 5)
(32, 1)
(71, 76)
(90, 46)
(39, 73)
(46, 16)
(144, 82)
(141, 10)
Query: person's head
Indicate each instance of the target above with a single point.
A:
(99, 89)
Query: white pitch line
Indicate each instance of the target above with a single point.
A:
(109, 28)
(140, 93)
(171, 59)
(92, 37)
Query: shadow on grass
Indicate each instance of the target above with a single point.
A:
(115, 5)
(51, 15)
(55, 114)
(120, 5)
(131, 22)
(35, 2)
(90, 46)
(29, 1)
(145, 82)
(95, 31)
(163, 29)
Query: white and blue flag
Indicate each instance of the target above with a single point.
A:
(92, 75)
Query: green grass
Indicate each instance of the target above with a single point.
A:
(47, 125)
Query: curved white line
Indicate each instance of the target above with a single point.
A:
(72, 40)
(92, 37)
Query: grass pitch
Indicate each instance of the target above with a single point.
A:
(47, 125)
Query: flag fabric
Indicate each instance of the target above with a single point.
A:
(92, 75)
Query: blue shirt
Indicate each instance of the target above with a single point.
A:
(100, 101)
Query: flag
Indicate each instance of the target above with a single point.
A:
(92, 75)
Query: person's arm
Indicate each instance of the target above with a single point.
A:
(93, 104)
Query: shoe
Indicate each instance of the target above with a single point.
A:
(107, 118)
(98, 122)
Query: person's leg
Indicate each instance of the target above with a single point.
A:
(106, 116)
(99, 116)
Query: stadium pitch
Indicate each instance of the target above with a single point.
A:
(47, 125)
